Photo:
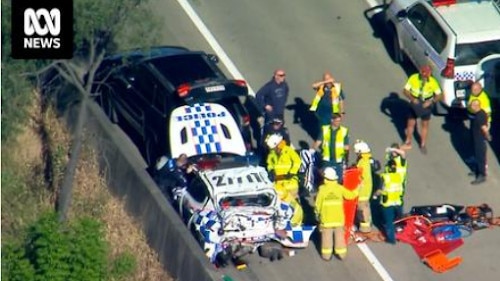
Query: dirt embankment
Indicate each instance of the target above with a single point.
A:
(38, 156)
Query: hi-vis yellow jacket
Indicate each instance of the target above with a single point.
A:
(419, 90)
(484, 102)
(330, 203)
(366, 186)
(392, 191)
(286, 162)
(335, 97)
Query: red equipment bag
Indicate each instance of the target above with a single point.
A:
(352, 179)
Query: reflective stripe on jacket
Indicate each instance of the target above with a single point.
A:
(335, 96)
(329, 203)
(422, 91)
(338, 143)
(392, 191)
(366, 186)
(287, 161)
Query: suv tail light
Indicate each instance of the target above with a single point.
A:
(437, 3)
(183, 90)
(449, 70)
(241, 83)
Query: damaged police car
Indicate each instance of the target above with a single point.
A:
(228, 202)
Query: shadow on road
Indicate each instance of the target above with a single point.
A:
(305, 118)
(376, 19)
(397, 109)
(460, 138)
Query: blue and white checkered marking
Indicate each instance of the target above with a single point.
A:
(465, 75)
(204, 131)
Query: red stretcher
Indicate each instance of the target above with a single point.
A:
(416, 231)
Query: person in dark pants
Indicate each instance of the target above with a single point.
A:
(391, 199)
(480, 134)
(271, 99)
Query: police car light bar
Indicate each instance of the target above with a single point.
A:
(183, 90)
(437, 3)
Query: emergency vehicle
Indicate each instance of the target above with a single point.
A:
(230, 204)
(452, 36)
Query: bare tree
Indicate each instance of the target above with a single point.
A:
(98, 23)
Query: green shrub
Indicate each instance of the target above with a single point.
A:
(52, 251)
(124, 265)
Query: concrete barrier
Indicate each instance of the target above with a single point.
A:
(178, 251)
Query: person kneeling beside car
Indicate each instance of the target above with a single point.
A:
(171, 178)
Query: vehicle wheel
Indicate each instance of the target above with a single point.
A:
(272, 251)
(397, 54)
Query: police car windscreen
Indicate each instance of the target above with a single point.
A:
(184, 68)
(472, 53)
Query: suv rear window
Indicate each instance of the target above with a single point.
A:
(472, 53)
(184, 68)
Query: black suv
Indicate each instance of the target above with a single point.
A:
(138, 89)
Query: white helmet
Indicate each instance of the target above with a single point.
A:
(273, 140)
(361, 147)
(330, 174)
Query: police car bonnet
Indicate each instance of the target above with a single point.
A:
(206, 128)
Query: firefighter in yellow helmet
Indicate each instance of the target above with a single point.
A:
(283, 164)
(367, 165)
(329, 209)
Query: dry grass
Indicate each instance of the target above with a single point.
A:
(123, 233)
(46, 138)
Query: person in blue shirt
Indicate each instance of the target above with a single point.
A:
(271, 99)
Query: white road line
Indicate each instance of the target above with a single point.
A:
(370, 256)
(213, 43)
(237, 75)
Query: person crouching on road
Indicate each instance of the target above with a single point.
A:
(367, 165)
(275, 127)
(329, 209)
(283, 164)
(391, 199)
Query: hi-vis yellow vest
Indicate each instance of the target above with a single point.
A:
(392, 191)
(335, 95)
(326, 144)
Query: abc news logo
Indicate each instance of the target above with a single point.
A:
(42, 29)
(42, 22)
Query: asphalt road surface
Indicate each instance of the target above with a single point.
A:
(306, 38)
